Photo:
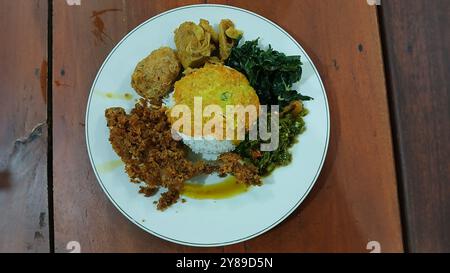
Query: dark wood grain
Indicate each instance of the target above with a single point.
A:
(417, 49)
(23, 134)
(355, 199)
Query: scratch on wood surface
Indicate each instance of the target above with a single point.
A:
(73, 2)
(38, 235)
(335, 64)
(24, 178)
(35, 133)
(100, 12)
(43, 80)
(42, 219)
(99, 26)
(58, 84)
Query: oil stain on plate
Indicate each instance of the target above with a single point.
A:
(227, 188)
(109, 165)
(111, 95)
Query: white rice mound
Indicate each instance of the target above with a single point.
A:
(208, 147)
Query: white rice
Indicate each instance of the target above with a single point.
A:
(208, 147)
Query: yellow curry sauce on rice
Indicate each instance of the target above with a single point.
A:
(219, 86)
(215, 85)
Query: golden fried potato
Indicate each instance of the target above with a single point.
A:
(228, 36)
(193, 44)
(208, 28)
(155, 74)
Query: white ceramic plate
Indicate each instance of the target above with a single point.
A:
(206, 222)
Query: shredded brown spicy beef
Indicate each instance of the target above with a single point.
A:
(231, 163)
(143, 140)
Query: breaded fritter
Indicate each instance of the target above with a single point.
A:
(154, 75)
(216, 85)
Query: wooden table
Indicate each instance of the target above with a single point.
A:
(386, 176)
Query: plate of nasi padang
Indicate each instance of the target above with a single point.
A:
(207, 125)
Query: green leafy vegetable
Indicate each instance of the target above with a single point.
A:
(271, 73)
(266, 161)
